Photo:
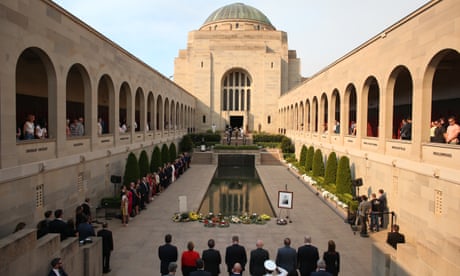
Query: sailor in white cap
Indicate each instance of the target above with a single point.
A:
(270, 267)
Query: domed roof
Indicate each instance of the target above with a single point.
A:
(238, 11)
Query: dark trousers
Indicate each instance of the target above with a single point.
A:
(105, 262)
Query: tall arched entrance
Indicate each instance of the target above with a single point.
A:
(236, 99)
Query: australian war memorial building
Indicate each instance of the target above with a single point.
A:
(236, 70)
(237, 65)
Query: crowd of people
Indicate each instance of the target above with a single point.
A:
(304, 261)
(445, 132)
(141, 192)
(32, 129)
(81, 227)
(376, 209)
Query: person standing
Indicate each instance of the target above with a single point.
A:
(28, 129)
(364, 209)
(211, 258)
(286, 257)
(172, 267)
(188, 259)
(307, 257)
(453, 131)
(375, 213)
(332, 259)
(85, 230)
(200, 269)
(383, 208)
(321, 270)
(107, 246)
(43, 225)
(235, 253)
(257, 260)
(57, 269)
(58, 225)
(167, 254)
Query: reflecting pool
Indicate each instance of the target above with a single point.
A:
(234, 191)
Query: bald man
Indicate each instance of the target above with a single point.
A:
(257, 259)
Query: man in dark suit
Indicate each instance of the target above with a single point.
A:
(235, 253)
(85, 229)
(167, 253)
(58, 225)
(307, 257)
(258, 257)
(57, 269)
(211, 259)
(395, 237)
(107, 246)
(286, 258)
(200, 269)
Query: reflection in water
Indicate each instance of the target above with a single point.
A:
(235, 191)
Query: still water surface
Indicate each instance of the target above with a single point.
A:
(235, 191)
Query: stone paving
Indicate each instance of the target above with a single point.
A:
(136, 246)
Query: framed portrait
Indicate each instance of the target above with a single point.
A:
(285, 200)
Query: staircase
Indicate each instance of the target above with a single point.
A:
(204, 158)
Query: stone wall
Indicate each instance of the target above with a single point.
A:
(23, 254)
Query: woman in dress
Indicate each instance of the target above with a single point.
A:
(124, 207)
(332, 259)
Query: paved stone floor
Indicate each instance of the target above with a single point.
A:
(136, 246)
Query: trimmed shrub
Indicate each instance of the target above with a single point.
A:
(343, 182)
(330, 174)
(186, 144)
(318, 164)
(164, 154)
(309, 158)
(303, 155)
(287, 146)
(156, 160)
(143, 164)
(172, 152)
(132, 173)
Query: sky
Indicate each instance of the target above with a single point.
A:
(321, 31)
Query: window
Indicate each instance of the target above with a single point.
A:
(204, 119)
(234, 85)
(269, 119)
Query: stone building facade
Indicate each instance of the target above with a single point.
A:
(236, 70)
(237, 65)
(411, 70)
(56, 67)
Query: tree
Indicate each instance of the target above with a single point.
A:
(132, 173)
(143, 164)
(318, 164)
(186, 144)
(303, 155)
(343, 182)
(309, 158)
(286, 145)
(331, 169)
(156, 159)
(172, 152)
(165, 153)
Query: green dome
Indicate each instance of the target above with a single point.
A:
(238, 11)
